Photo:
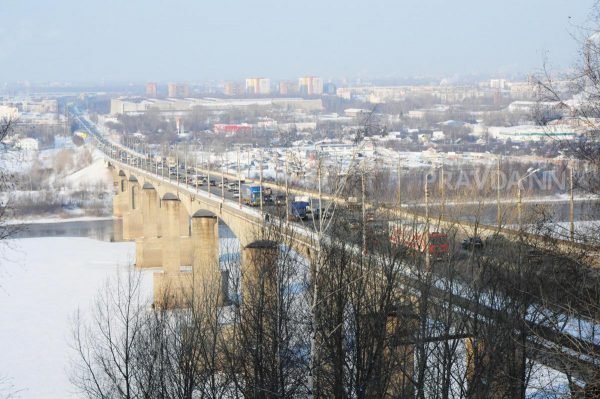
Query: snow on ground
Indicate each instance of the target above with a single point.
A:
(40, 289)
(94, 174)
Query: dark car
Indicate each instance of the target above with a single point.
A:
(472, 243)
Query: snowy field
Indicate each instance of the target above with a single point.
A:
(42, 282)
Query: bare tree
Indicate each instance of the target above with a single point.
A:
(106, 343)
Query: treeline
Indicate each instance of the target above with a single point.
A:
(342, 322)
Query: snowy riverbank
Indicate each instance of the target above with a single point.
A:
(42, 283)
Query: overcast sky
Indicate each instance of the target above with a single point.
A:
(196, 40)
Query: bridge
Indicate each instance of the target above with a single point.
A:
(174, 226)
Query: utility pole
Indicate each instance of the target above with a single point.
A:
(185, 168)
(320, 199)
(177, 162)
(196, 169)
(261, 181)
(519, 207)
(171, 157)
(364, 211)
(571, 206)
(208, 172)
(443, 189)
(239, 178)
(498, 212)
(287, 191)
(222, 179)
(248, 153)
(399, 188)
(162, 170)
(427, 254)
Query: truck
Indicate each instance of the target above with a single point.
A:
(414, 235)
(252, 196)
(298, 210)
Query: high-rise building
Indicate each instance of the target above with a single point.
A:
(287, 88)
(498, 83)
(310, 85)
(258, 86)
(233, 89)
(329, 88)
(178, 90)
(150, 89)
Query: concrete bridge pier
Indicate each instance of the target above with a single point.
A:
(132, 219)
(148, 249)
(119, 198)
(167, 285)
(494, 372)
(171, 244)
(258, 323)
(206, 271)
(259, 276)
(401, 323)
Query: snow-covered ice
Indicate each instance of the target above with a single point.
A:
(42, 284)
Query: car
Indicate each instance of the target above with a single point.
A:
(472, 243)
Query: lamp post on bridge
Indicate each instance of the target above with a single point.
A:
(287, 190)
(177, 163)
(261, 182)
(530, 172)
(239, 176)
(222, 179)
(185, 165)
(208, 172)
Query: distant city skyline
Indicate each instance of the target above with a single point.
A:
(190, 41)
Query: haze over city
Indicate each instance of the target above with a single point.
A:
(269, 199)
(122, 41)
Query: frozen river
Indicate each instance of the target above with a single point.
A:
(46, 273)
(43, 282)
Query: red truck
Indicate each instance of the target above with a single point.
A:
(413, 235)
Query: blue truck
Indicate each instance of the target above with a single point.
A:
(298, 210)
(252, 197)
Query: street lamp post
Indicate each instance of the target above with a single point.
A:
(399, 183)
(208, 172)
(498, 212)
(177, 163)
(571, 206)
(239, 178)
(196, 169)
(222, 179)
(287, 191)
(519, 197)
(261, 182)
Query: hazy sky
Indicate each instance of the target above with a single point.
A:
(139, 40)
